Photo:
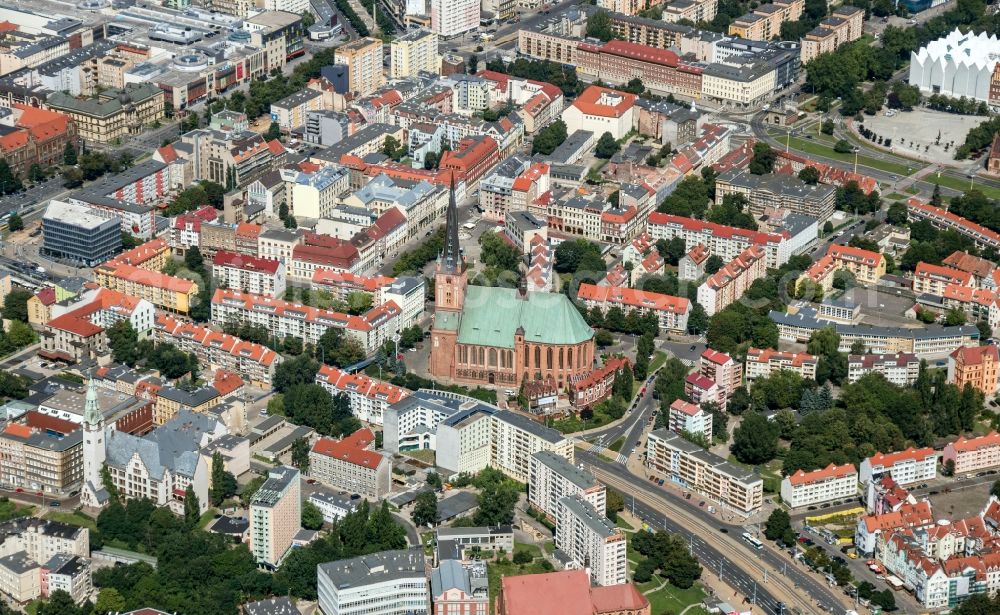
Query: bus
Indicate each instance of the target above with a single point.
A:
(753, 542)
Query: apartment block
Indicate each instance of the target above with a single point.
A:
(695, 11)
(935, 279)
(515, 438)
(865, 266)
(777, 191)
(943, 219)
(672, 312)
(546, 46)
(251, 274)
(764, 23)
(591, 541)
(819, 486)
(721, 368)
(351, 465)
(363, 59)
(728, 284)
(972, 455)
(762, 362)
(686, 416)
(693, 467)
(46, 458)
(254, 362)
(284, 318)
(414, 52)
(369, 397)
(844, 25)
(275, 516)
(145, 281)
(553, 478)
(290, 112)
(727, 242)
(901, 368)
(702, 390)
(906, 467)
(976, 366)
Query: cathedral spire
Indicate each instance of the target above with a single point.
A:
(451, 259)
(91, 411)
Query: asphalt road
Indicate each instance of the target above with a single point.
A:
(631, 428)
(709, 549)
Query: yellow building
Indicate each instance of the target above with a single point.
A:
(171, 400)
(363, 58)
(843, 26)
(866, 266)
(38, 306)
(764, 23)
(137, 273)
(415, 51)
(114, 114)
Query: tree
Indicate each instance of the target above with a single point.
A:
(15, 222)
(194, 261)
(755, 441)
(674, 250)
(192, 509)
(698, 320)
(250, 489)
(312, 518)
(473, 64)
(777, 524)
(549, 138)
(827, 227)
(15, 305)
(823, 342)
(273, 132)
(713, 264)
(995, 488)
(217, 492)
(843, 147)
(123, 342)
(936, 196)
(896, 214)
(763, 159)
(809, 175)
(59, 603)
(599, 26)
(954, 317)
(9, 183)
(69, 155)
(109, 601)
(603, 338)
(434, 480)
(300, 454)
(300, 370)
(827, 127)
(606, 146)
(425, 510)
(523, 557)
(885, 599)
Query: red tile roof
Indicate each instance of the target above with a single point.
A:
(589, 102)
(817, 476)
(911, 454)
(975, 355)
(855, 255)
(225, 382)
(713, 229)
(246, 263)
(634, 297)
(719, 358)
(617, 599)
(360, 384)
(965, 443)
(47, 295)
(350, 450)
(765, 355)
(37, 420)
(554, 593)
(943, 274)
(685, 407)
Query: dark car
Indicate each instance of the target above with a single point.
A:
(723, 530)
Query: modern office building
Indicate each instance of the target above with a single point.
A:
(384, 583)
(275, 516)
(74, 233)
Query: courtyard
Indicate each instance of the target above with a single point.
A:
(916, 133)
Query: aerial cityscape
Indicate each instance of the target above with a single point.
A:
(499, 307)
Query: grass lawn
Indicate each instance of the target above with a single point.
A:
(12, 510)
(957, 183)
(819, 149)
(894, 196)
(424, 455)
(531, 549)
(658, 360)
(617, 445)
(550, 546)
(207, 518)
(670, 598)
(505, 568)
(32, 607)
(912, 190)
(73, 518)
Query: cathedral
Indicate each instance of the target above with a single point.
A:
(493, 336)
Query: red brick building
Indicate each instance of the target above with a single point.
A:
(473, 157)
(660, 70)
(39, 137)
(567, 592)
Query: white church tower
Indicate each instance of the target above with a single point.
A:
(94, 450)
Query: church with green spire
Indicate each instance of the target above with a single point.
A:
(497, 336)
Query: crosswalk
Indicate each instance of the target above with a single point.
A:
(598, 447)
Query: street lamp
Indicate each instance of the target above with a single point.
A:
(856, 150)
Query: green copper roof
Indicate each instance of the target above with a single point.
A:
(492, 315)
(446, 321)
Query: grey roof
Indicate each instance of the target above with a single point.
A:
(742, 475)
(271, 606)
(524, 221)
(384, 188)
(111, 101)
(806, 318)
(191, 399)
(382, 567)
(533, 427)
(452, 506)
(350, 143)
(341, 501)
(561, 466)
(406, 497)
(449, 575)
(18, 562)
(230, 525)
(109, 184)
(280, 234)
(448, 549)
(448, 533)
(795, 223)
(62, 563)
(405, 285)
(298, 98)
(173, 446)
(596, 522)
(275, 487)
(789, 185)
(746, 72)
